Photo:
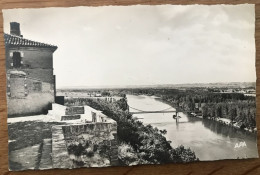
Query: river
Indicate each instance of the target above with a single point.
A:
(208, 139)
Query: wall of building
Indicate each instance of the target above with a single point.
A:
(32, 101)
(32, 57)
(45, 87)
(16, 87)
(37, 63)
(45, 75)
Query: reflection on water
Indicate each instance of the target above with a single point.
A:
(210, 140)
(227, 131)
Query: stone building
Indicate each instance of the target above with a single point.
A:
(30, 79)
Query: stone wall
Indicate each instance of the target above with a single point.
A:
(74, 110)
(87, 113)
(87, 143)
(97, 136)
(99, 116)
(70, 117)
(98, 139)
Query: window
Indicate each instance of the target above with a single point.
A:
(17, 60)
(37, 86)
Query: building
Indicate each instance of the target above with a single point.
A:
(29, 68)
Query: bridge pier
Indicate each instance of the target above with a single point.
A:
(176, 117)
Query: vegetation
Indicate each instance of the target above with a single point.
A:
(145, 144)
(87, 148)
(234, 106)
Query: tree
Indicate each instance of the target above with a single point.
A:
(205, 111)
(233, 114)
(219, 111)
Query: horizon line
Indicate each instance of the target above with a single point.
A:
(147, 85)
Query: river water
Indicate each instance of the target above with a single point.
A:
(208, 139)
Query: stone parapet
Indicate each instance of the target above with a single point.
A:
(83, 114)
(100, 138)
(60, 156)
(71, 110)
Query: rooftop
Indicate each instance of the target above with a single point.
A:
(13, 40)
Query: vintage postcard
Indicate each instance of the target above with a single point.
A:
(130, 85)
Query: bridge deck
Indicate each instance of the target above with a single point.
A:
(144, 112)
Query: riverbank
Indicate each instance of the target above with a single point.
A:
(210, 140)
(224, 121)
(239, 108)
(235, 125)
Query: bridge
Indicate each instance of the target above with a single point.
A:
(145, 112)
(139, 111)
(167, 110)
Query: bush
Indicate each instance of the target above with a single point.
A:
(146, 141)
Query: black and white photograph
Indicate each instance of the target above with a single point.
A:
(129, 85)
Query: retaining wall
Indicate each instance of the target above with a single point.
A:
(98, 135)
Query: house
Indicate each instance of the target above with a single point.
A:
(29, 69)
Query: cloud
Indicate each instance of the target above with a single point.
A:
(139, 45)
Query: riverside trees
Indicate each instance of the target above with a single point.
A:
(234, 106)
(146, 143)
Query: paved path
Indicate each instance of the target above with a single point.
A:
(60, 156)
(46, 158)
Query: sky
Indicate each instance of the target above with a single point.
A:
(144, 45)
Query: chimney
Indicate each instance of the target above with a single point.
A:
(15, 29)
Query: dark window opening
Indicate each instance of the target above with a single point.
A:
(17, 59)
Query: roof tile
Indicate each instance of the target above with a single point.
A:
(12, 40)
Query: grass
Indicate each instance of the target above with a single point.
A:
(29, 133)
(26, 158)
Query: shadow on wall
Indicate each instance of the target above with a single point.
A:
(33, 104)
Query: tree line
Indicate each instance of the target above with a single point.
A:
(234, 106)
(139, 144)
